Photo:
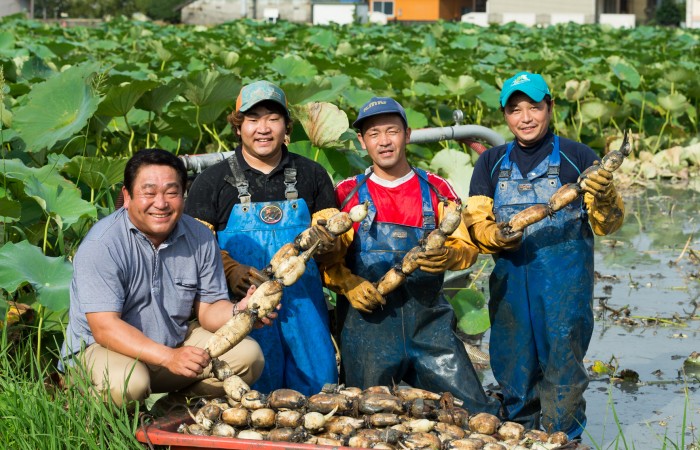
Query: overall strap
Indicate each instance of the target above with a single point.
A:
(363, 195)
(290, 182)
(554, 159)
(426, 201)
(237, 179)
(361, 179)
(506, 164)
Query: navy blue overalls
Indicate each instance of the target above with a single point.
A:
(541, 303)
(297, 346)
(412, 337)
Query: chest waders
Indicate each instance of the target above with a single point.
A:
(541, 303)
(412, 337)
(298, 350)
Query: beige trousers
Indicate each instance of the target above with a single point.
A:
(125, 380)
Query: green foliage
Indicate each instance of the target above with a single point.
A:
(471, 312)
(76, 102)
(38, 416)
(669, 13)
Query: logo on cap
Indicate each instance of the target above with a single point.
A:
(520, 80)
(372, 105)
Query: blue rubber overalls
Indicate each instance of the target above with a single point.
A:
(297, 347)
(541, 303)
(412, 337)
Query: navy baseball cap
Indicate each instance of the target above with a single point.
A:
(530, 84)
(377, 106)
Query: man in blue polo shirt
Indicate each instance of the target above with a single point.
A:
(542, 284)
(139, 276)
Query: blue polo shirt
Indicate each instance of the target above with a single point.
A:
(117, 269)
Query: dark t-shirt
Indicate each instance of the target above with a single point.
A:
(211, 198)
(575, 158)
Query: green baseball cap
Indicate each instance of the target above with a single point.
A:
(260, 91)
(530, 84)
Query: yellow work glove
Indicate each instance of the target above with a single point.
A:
(318, 232)
(362, 295)
(439, 260)
(486, 234)
(240, 277)
(606, 211)
(599, 184)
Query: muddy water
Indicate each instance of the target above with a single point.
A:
(644, 300)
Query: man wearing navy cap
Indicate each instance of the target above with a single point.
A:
(256, 201)
(542, 284)
(409, 335)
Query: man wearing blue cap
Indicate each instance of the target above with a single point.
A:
(256, 201)
(542, 284)
(409, 335)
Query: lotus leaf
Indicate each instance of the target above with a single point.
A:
(120, 99)
(64, 204)
(35, 68)
(14, 169)
(7, 41)
(675, 103)
(456, 167)
(594, 110)
(5, 116)
(156, 99)
(334, 162)
(576, 90)
(97, 172)
(357, 97)
(416, 119)
(323, 122)
(624, 71)
(470, 311)
(57, 108)
(464, 42)
(294, 68)
(463, 87)
(23, 263)
(212, 92)
(11, 209)
(323, 37)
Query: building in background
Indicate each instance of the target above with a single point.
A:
(424, 10)
(209, 12)
(619, 13)
(8, 7)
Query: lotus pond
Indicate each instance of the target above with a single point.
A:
(646, 308)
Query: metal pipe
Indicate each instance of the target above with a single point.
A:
(457, 132)
(197, 163)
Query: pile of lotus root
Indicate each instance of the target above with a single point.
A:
(378, 417)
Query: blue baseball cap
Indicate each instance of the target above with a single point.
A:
(377, 106)
(530, 84)
(260, 91)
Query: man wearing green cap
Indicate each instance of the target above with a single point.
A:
(542, 284)
(256, 201)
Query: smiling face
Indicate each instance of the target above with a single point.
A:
(262, 134)
(528, 120)
(385, 137)
(157, 201)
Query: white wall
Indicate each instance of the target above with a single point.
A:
(586, 7)
(8, 7)
(618, 20)
(692, 13)
(325, 14)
